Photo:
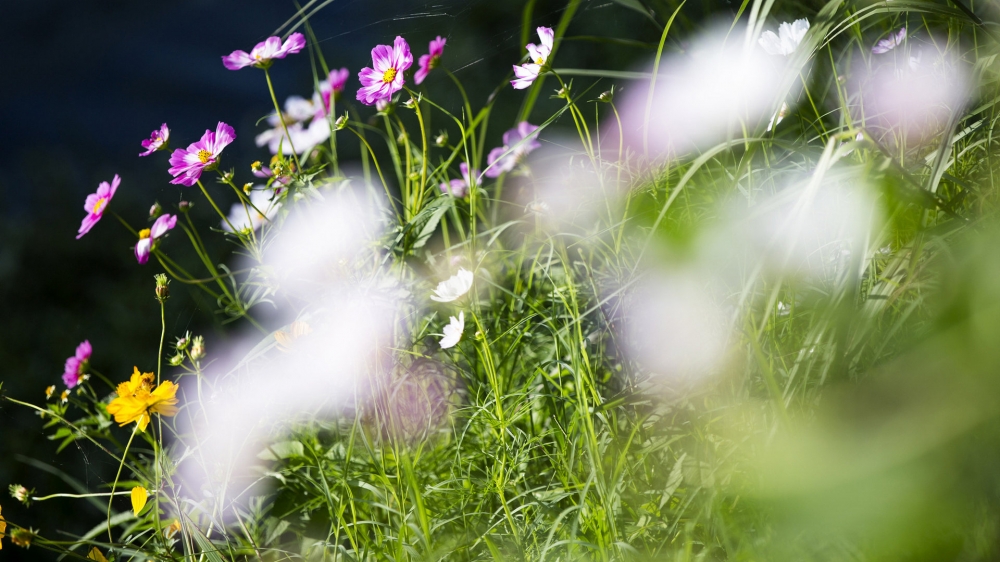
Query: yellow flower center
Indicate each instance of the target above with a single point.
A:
(204, 156)
(143, 234)
(389, 75)
(540, 61)
(97, 206)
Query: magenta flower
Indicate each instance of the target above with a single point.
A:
(386, 78)
(188, 164)
(460, 187)
(96, 204)
(75, 370)
(889, 43)
(429, 61)
(538, 59)
(517, 143)
(332, 87)
(157, 140)
(149, 236)
(265, 52)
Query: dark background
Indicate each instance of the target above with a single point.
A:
(84, 81)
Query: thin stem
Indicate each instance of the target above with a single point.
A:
(281, 119)
(118, 475)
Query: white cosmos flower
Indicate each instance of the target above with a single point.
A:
(242, 218)
(788, 38)
(456, 286)
(453, 331)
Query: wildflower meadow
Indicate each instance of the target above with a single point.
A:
(650, 280)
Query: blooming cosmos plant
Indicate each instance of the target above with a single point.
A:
(788, 38)
(429, 61)
(187, 164)
(385, 77)
(459, 187)
(453, 331)
(75, 370)
(454, 287)
(265, 52)
(157, 140)
(517, 143)
(539, 57)
(149, 236)
(889, 43)
(96, 203)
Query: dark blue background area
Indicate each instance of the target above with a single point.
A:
(82, 82)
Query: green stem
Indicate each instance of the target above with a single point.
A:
(117, 476)
(281, 119)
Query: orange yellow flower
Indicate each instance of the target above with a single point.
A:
(95, 554)
(296, 330)
(139, 495)
(23, 537)
(137, 400)
(50, 391)
(173, 529)
(3, 529)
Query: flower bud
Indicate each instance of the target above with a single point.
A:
(183, 341)
(248, 187)
(227, 176)
(155, 211)
(256, 166)
(197, 348)
(162, 287)
(176, 360)
(22, 537)
(607, 97)
(20, 493)
(441, 139)
(184, 206)
(341, 122)
(49, 391)
(410, 103)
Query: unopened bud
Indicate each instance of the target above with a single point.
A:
(341, 122)
(183, 341)
(607, 97)
(162, 286)
(197, 348)
(176, 360)
(410, 103)
(227, 176)
(184, 206)
(20, 493)
(155, 211)
(441, 139)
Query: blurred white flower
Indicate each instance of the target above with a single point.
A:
(778, 117)
(453, 331)
(456, 286)
(788, 38)
(248, 217)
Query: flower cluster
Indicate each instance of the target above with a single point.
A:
(75, 370)
(517, 143)
(138, 400)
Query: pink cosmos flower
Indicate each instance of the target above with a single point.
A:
(265, 52)
(460, 187)
(96, 204)
(75, 370)
(148, 236)
(429, 61)
(889, 43)
(539, 57)
(332, 87)
(157, 140)
(517, 143)
(188, 164)
(386, 78)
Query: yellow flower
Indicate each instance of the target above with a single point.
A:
(50, 391)
(64, 397)
(3, 529)
(173, 529)
(95, 554)
(137, 400)
(139, 495)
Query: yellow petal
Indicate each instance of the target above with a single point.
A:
(139, 495)
(96, 555)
